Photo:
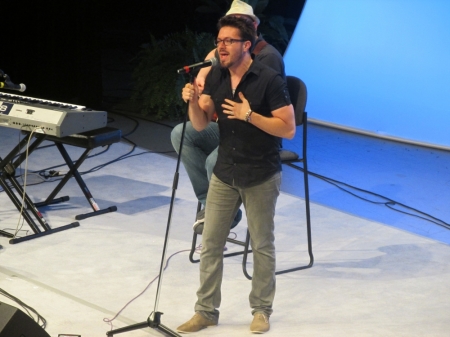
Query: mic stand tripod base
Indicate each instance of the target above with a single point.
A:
(154, 324)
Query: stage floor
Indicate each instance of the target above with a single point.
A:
(377, 272)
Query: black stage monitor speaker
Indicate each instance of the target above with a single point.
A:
(15, 323)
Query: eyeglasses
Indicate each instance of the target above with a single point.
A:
(227, 41)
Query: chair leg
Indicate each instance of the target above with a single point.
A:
(307, 211)
(308, 234)
(194, 238)
(246, 244)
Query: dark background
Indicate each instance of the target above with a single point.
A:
(57, 49)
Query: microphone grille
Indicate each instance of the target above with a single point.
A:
(214, 61)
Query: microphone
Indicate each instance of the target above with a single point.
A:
(206, 63)
(6, 83)
(9, 85)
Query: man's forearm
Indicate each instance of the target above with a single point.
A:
(273, 126)
(197, 116)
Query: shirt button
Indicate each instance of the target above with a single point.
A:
(234, 149)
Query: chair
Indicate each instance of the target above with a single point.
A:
(298, 94)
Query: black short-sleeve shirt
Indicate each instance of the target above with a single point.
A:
(247, 155)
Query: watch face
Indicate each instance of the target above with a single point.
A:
(248, 115)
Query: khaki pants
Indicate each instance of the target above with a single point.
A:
(221, 205)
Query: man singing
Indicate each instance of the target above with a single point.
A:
(254, 111)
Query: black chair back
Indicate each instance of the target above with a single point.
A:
(298, 94)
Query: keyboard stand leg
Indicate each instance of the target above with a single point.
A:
(73, 172)
(18, 203)
(47, 232)
(26, 207)
(8, 235)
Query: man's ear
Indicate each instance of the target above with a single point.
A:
(247, 45)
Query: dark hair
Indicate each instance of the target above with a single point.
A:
(244, 25)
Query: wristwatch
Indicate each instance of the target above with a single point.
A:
(248, 115)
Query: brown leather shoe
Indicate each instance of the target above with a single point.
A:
(260, 323)
(196, 323)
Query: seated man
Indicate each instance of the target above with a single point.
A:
(199, 153)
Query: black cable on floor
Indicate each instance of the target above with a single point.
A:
(386, 201)
(29, 310)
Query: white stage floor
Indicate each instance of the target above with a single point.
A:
(369, 278)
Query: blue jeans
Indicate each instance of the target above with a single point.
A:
(199, 154)
(221, 206)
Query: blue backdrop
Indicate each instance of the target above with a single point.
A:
(377, 66)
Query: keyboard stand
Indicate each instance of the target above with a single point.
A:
(87, 140)
(15, 192)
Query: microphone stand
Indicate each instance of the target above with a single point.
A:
(154, 319)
